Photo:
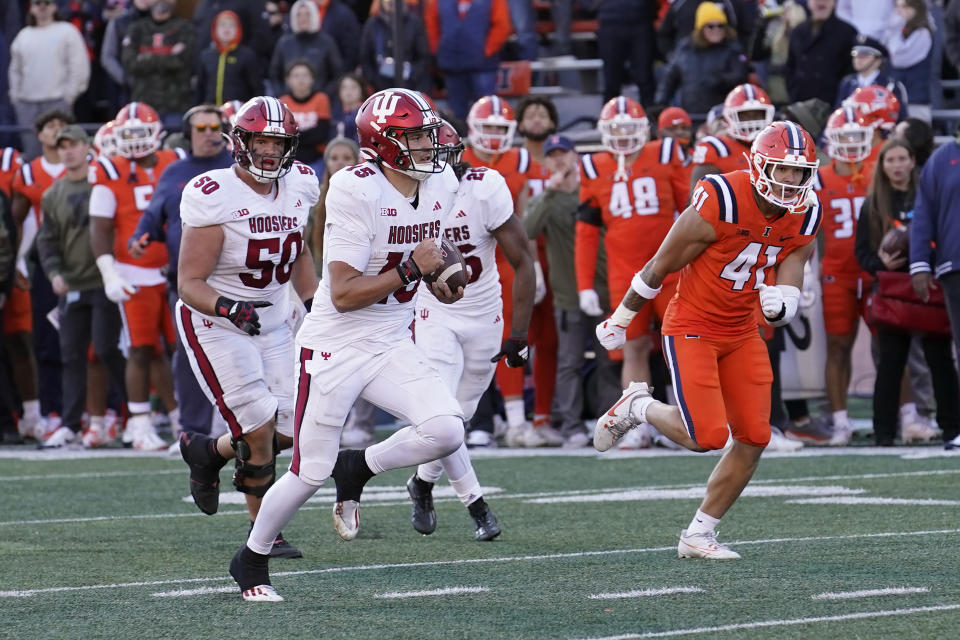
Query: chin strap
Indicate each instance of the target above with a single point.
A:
(621, 173)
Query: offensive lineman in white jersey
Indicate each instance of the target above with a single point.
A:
(383, 219)
(462, 341)
(242, 251)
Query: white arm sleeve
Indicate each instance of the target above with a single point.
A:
(103, 203)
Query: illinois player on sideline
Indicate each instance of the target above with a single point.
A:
(242, 250)
(747, 110)
(742, 230)
(842, 188)
(876, 107)
(122, 187)
(383, 220)
(633, 191)
(463, 341)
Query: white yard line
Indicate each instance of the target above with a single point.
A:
(869, 593)
(93, 475)
(181, 593)
(642, 593)
(21, 593)
(854, 500)
(448, 591)
(760, 624)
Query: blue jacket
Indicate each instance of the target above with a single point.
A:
(162, 217)
(462, 42)
(936, 215)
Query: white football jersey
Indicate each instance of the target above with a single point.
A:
(262, 235)
(373, 228)
(483, 203)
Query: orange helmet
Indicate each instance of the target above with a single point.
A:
(228, 110)
(877, 106)
(783, 144)
(742, 100)
(491, 125)
(849, 139)
(623, 125)
(137, 130)
(105, 141)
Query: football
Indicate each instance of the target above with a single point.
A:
(897, 240)
(453, 272)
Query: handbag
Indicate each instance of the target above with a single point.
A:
(893, 306)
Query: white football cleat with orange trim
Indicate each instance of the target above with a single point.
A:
(619, 418)
(261, 593)
(704, 545)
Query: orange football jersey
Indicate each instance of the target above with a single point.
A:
(10, 163)
(723, 152)
(31, 181)
(717, 295)
(132, 187)
(515, 165)
(841, 197)
(637, 212)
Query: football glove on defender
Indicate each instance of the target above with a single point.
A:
(771, 302)
(611, 335)
(242, 313)
(515, 350)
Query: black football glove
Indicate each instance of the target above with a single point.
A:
(515, 351)
(242, 313)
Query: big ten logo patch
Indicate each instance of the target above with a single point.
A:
(388, 211)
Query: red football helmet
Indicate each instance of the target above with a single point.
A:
(876, 105)
(229, 111)
(137, 129)
(105, 140)
(747, 110)
(385, 122)
(491, 125)
(449, 139)
(783, 144)
(849, 139)
(623, 125)
(264, 116)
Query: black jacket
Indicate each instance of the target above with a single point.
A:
(318, 49)
(864, 247)
(376, 42)
(704, 76)
(341, 24)
(242, 75)
(817, 61)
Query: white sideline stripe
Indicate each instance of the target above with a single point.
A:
(23, 593)
(449, 591)
(762, 491)
(869, 593)
(885, 501)
(194, 592)
(640, 593)
(104, 474)
(863, 615)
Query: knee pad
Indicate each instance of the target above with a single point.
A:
(445, 432)
(245, 470)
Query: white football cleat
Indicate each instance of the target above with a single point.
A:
(261, 593)
(480, 439)
(704, 545)
(96, 436)
(619, 418)
(346, 519)
(842, 435)
(779, 442)
(638, 438)
(545, 436)
(356, 438)
(59, 438)
(918, 428)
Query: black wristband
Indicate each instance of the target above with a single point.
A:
(409, 271)
(223, 306)
(308, 303)
(780, 316)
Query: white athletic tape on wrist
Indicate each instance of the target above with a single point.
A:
(642, 288)
(622, 316)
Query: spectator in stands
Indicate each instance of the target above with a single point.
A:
(951, 34)
(466, 38)
(770, 45)
(351, 92)
(254, 24)
(341, 24)
(49, 68)
(276, 15)
(868, 57)
(86, 315)
(819, 54)
(911, 55)
(537, 120)
(626, 40)
(228, 69)
(340, 153)
(112, 49)
(705, 67)
(936, 219)
(890, 202)
(203, 126)
(679, 22)
(159, 57)
(377, 49)
(306, 42)
(919, 135)
(523, 19)
(871, 18)
(310, 108)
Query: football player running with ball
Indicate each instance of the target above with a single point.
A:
(742, 245)
(462, 341)
(242, 251)
(384, 217)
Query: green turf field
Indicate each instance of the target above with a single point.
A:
(858, 543)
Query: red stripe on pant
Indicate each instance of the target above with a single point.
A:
(303, 395)
(206, 370)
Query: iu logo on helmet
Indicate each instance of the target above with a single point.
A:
(384, 106)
